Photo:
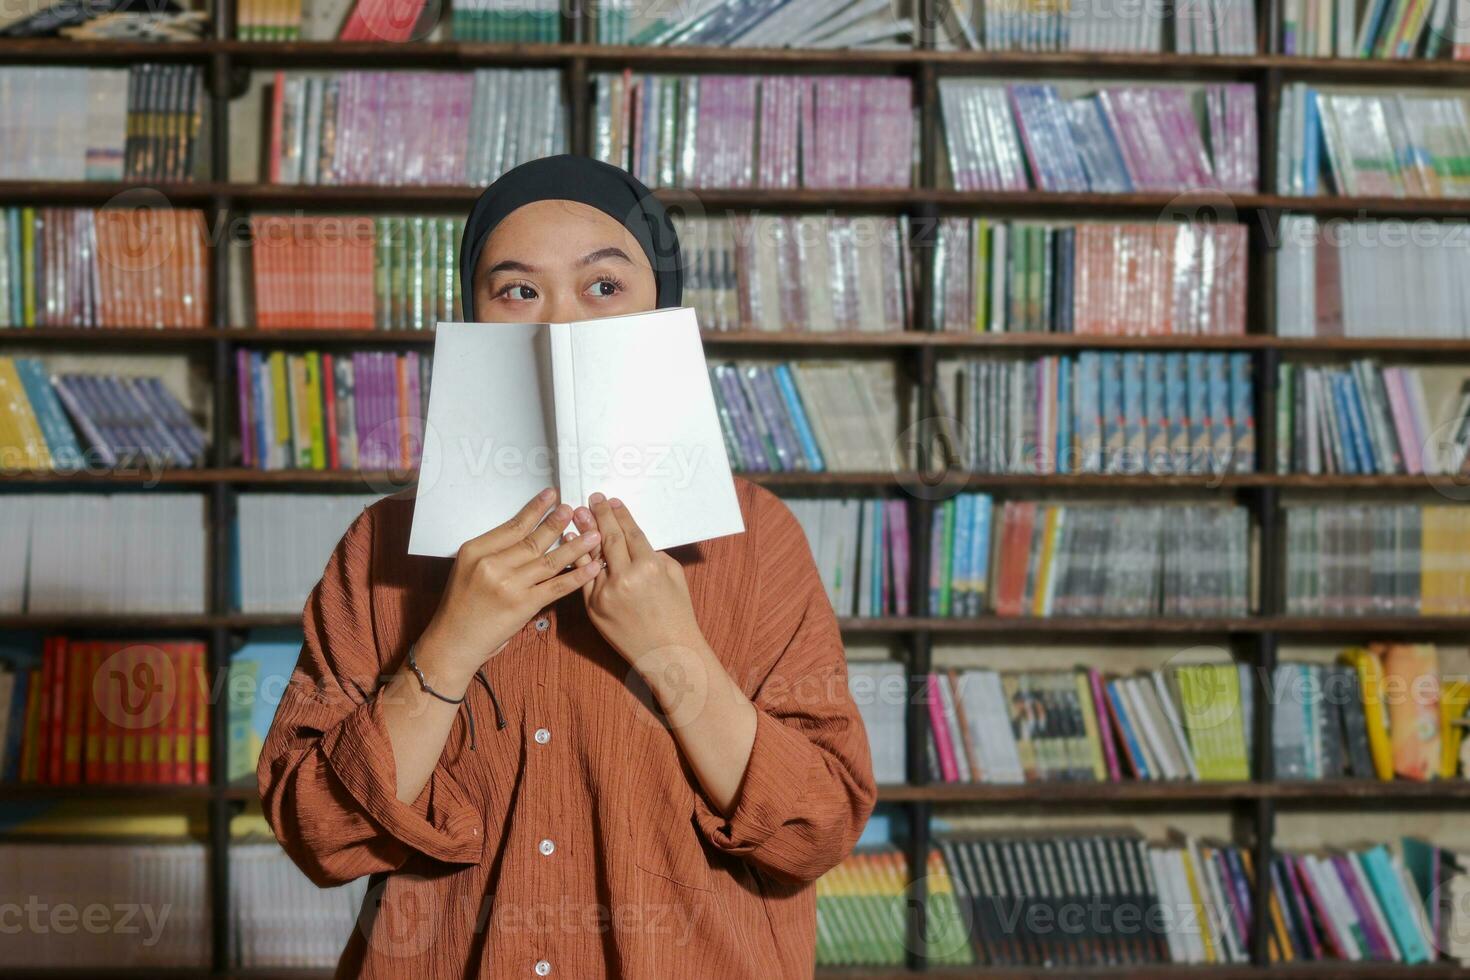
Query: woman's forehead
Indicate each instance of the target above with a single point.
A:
(559, 226)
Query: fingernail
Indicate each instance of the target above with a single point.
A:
(568, 536)
(616, 502)
(583, 515)
(545, 494)
(596, 498)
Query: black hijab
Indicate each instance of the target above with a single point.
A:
(611, 190)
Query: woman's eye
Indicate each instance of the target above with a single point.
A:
(605, 288)
(518, 292)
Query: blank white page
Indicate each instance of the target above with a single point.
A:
(489, 435)
(647, 430)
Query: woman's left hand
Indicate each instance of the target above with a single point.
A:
(640, 603)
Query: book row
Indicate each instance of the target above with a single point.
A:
(1101, 412)
(1391, 278)
(1089, 278)
(355, 272)
(861, 549)
(107, 711)
(125, 422)
(113, 267)
(1211, 27)
(396, 128)
(807, 273)
(1185, 722)
(137, 123)
(808, 416)
(1366, 418)
(317, 410)
(1372, 145)
(757, 23)
(84, 553)
(731, 131)
(507, 21)
(1116, 140)
(282, 542)
(1376, 29)
(1399, 560)
(1053, 559)
(279, 919)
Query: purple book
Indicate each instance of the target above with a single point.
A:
(783, 431)
(1292, 875)
(745, 432)
(362, 413)
(1348, 875)
(897, 523)
(1237, 902)
(76, 406)
(412, 411)
(243, 382)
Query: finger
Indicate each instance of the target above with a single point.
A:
(566, 583)
(614, 542)
(523, 523)
(638, 546)
(590, 556)
(536, 544)
(553, 562)
(584, 521)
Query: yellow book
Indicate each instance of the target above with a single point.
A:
(314, 410)
(281, 403)
(300, 426)
(1089, 726)
(1411, 671)
(28, 266)
(20, 430)
(1280, 938)
(1040, 603)
(1196, 899)
(1454, 700)
(1370, 680)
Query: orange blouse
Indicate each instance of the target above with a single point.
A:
(573, 841)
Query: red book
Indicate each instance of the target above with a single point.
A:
(112, 729)
(56, 738)
(129, 740)
(178, 767)
(278, 111)
(78, 691)
(200, 687)
(329, 410)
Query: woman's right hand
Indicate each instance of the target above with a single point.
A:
(499, 581)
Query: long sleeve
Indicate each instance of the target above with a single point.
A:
(326, 773)
(808, 787)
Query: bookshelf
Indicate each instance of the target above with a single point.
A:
(1255, 804)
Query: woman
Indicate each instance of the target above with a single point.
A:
(611, 762)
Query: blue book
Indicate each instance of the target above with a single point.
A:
(960, 579)
(875, 548)
(1388, 885)
(1176, 412)
(60, 439)
(1135, 751)
(264, 438)
(1063, 449)
(1111, 409)
(1347, 444)
(1155, 419)
(1311, 143)
(1088, 409)
(792, 399)
(1218, 405)
(1196, 394)
(1135, 445)
(1366, 454)
(980, 554)
(1242, 413)
(259, 673)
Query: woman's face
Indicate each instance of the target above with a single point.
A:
(558, 261)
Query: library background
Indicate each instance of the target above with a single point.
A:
(1114, 356)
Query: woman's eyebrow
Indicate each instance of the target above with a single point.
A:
(611, 252)
(509, 265)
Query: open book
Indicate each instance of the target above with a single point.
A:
(620, 405)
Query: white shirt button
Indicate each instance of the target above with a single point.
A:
(543, 624)
(542, 736)
(542, 968)
(547, 846)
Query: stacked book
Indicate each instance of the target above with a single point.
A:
(1389, 278)
(88, 553)
(316, 410)
(507, 21)
(386, 273)
(400, 127)
(1101, 412)
(861, 548)
(1359, 904)
(1366, 418)
(757, 23)
(1380, 712)
(1186, 722)
(1376, 29)
(861, 912)
(124, 267)
(282, 542)
(1399, 560)
(123, 422)
(133, 906)
(1215, 27)
(809, 416)
(741, 131)
(880, 689)
(813, 272)
(272, 20)
(1165, 278)
(279, 919)
(137, 123)
(1389, 145)
(108, 712)
(1052, 559)
(1158, 138)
